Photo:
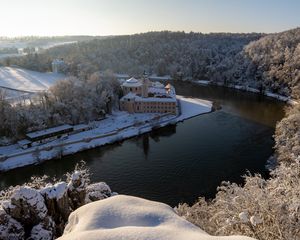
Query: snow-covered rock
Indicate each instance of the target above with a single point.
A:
(9, 227)
(26, 205)
(97, 191)
(77, 189)
(56, 191)
(126, 217)
(57, 201)
(44, 230)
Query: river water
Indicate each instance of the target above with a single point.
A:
(179, 163)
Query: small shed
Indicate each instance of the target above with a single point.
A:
(81, 128)
(49, 133)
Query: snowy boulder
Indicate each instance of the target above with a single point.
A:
(44, 230)
(26, 205)
(125, 217)
(9, 227)
(77, 189)
(57, 200)
(97, 191)
(58, 205)
(56, 191)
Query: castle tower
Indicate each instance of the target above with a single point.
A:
(145, 85)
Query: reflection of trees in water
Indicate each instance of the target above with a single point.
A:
(163, 132)
(146, 144)
(143, 141)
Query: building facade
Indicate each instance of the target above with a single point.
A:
(58, 65)
(143, 96)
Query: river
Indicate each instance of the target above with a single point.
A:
(180, 163)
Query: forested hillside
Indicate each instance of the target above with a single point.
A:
(273, 62)
(176, 53)
(267, 62)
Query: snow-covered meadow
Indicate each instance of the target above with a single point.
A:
(18, 81)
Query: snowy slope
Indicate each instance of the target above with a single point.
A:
(26, 80)
(132, 218)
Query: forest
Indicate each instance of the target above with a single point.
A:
(266, 62)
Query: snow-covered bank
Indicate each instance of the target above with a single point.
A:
(202, 82)
(191, 107)
(116, 127)
(249, 89)
(126, 217)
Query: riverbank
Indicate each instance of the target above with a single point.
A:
(115, 128)
(248, 89)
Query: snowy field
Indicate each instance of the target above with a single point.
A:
(132, 218)
(16, 80)
(116, 127)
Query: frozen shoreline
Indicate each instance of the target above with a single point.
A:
(117, 127)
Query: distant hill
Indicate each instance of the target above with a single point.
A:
(165, 53)
(276, 60)
(32, 41)
(267, 62)
(272, 62)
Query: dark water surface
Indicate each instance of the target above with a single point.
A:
(179, 163)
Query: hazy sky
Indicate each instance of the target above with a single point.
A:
(113, 17)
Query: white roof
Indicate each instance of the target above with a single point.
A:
(129, 95)
(157, 85)
(49, 131)
(155, 99)
(132, 82)
(148, 99)
(24, 142)
(121, 75)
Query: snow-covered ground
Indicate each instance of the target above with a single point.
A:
(116, 127)
(18, 81)
(132, 218)
(154, 77)
(191, 107)
(3, 56)
(202, 82)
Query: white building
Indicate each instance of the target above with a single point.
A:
(143, 96)
(58, 65)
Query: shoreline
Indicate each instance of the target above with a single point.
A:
(279, 97)
(117, 127)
